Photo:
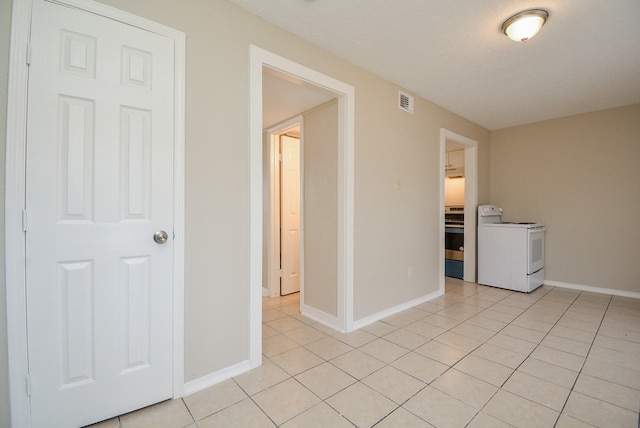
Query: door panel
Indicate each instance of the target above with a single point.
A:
(290, 213)
(99, 184)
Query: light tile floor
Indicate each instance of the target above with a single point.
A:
(475, 357)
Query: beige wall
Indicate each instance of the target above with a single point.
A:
(394, 228)
(397, 190)
(580, 176)
(321, 208)
(396, 177)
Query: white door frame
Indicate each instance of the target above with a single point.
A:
(470, 202)
(273, 245)
(15, 196)
(345, 94)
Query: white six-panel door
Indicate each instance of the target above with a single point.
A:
(290, 213)
(99, 184)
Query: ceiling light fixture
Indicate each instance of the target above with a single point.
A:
(524, 25)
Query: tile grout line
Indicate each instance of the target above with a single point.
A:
(427, 384)
(530, 356)
(433, 338)
(397, 406)
(495, 334)
(578, 315)
(573, 302)
(585, 361)
(514, 370)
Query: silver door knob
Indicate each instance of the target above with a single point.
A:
(160, 237)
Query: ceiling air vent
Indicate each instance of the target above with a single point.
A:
(405, 102)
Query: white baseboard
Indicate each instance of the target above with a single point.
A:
(601, 290)
(394, 310)
(332, 322)
(323, 318)
(216, 377)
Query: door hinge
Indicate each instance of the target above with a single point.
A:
(29, 54)
(279, 157)
(28, 384)
(280, 273)
(24, 220)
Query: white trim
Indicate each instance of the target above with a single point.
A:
(470, 207)
(255, 209)
(323, 318)
(214, 378)
(273, 251)
(470, 202)
(259, 58)
(179, 189)
(441, 173)
(14, 203)
(301, 208)
(363, 322)
(591, 289)
(15, 193)
(346, 204)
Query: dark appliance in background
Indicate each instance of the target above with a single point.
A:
(454, 241)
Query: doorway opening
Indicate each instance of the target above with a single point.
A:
(336, 312)
(284, 185)
(467, 197)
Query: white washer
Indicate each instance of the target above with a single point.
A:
(510, 255)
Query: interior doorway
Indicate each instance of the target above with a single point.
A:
(337, 312)
(284, 232)
(450, 141)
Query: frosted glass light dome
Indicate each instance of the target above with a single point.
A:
(524, 25)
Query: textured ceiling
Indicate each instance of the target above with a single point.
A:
(451, 52)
